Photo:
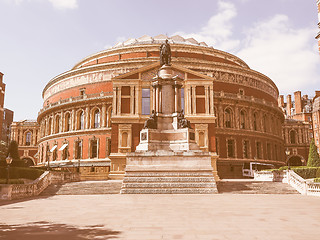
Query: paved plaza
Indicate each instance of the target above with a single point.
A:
(115, 216)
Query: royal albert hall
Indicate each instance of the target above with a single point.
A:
(92, 114)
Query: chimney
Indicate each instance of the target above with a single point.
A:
(281, 101)
(317, 93)
(289, 105)
(298, 102)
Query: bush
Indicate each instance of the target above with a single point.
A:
(317, 180)
(12, 181)
(16, 173)
(318, 173)
(283, 168)
(306, 172)
(313, 159)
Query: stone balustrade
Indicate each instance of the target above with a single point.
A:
(19, 191)
(304, 187)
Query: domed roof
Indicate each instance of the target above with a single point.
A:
(145, 39)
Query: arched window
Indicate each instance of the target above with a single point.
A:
(96, 115)
(57, 125)
(28, 138)
(228, 117)
(80, 121)
(242, 119)
(67, 122)
(264, 123)
(124, 139)
(50, 126)
(255, 121)
(292, 137)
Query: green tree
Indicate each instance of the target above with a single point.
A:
(14, 153)
(3, 153)
(313, 159)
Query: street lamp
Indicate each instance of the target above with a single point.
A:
(287, 154)
(9, 161)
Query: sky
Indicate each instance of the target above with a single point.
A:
(40, 39)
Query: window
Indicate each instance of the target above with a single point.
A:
(94, 148)
(258, 150)
(245, 149)
(28, 139)
(292, 137)
(50, 126)
(65, 153)
(96, 116)
(268, 151)
(200, 100)
(230, 148)
(201, 139)
(228, 117)
(80, 121)
(241, 91)
(124, 139)
(54, 154)
(78, 149)
(57, 125)
(125, 99)
(145, 101)
(242, 119)
(255, 121)
(67, 125)
(264, 123)
(82, 91)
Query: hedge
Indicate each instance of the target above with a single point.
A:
(307, 172)
(17, 172)
(317, 180)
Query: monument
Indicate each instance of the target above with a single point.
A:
(167, 159)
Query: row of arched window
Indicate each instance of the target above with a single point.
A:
(57, 124)
(264, 123)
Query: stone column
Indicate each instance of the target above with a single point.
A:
(176, 98)
(236, 117)
(160, 98)
(87, 118)
(20, 137)
(206, 99)
(154, 96)
(73, 119)
(138, 100)
(114, 104)
(194, 102)
(103, 115)
(61, 121)
(132, 100)
(188, 99)
(211, 100)
(299, 136)
(34, 140)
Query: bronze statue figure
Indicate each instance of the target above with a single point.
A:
(165, 53)
(182, 122)
(151, 122)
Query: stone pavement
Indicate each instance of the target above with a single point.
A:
(115, 216)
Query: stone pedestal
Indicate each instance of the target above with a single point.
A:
(167, 159)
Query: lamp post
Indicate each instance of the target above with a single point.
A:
(287, 154)
(9, 161)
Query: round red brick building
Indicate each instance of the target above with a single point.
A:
(92, 114)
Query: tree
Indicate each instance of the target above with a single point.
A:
(313, 159)
(3, 152)
(14, 153)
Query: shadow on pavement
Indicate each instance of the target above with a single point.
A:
(50, 231)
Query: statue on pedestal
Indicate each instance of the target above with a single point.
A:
(182, 122)
(165, 53)
(151, 122)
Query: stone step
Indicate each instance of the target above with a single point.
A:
(168, 174)
(254, 187)
(169, 191)
(169, 185)
(167, 179)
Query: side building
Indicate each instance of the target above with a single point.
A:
(26, 134)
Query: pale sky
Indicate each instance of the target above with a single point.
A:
(40, 39)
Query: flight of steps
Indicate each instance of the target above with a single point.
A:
(242, 186)
(164, 182)
(84, 188)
